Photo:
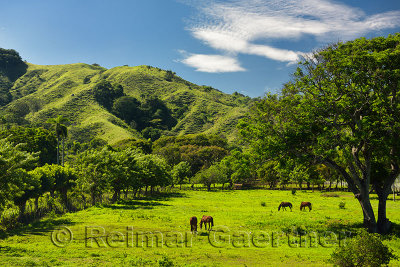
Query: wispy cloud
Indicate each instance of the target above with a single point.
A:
(212, 63)
(250, 26)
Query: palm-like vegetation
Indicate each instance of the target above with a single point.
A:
(61, 133)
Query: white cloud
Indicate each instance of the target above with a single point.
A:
(212, 63)
(250, 26)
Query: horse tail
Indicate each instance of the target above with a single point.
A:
(310, 207)
(279, 207)
(290, 205)
(212, 221)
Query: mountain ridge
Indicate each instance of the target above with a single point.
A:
(45, 91)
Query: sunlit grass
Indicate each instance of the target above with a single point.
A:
(238, 213)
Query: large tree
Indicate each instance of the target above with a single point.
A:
(341, 110)
(33, 140)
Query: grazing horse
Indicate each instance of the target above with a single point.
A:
(284, 205)
(207, 219)
(303, 206)
(193, 224)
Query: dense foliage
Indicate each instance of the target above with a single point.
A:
(94, 173)
(341, 110)
(363, 250)
(32, 140)
(11, 68)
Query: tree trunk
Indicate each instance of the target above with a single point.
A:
(383, 192)
(93, 193)
(62, 154)
(115, 196)
(36, 204)
(383, 223)
(22, 208)
(58, 150)
(368, 212)
(208, 187)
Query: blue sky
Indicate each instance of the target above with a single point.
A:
(247, 46)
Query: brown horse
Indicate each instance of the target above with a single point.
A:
(193, 224)
(207, 219)
(303, 206)
(283, 205)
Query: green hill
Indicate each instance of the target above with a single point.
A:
(47, 91)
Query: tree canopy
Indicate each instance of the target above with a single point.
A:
(342, 110)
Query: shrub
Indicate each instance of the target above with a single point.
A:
(165, 262)
(342, 205)
(293, 191)
(363, 250)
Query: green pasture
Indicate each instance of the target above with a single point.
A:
(260, 235)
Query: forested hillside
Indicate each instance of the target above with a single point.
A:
(115, 104)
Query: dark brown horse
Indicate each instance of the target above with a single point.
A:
(193, 224)
(283, 205)
(303, 206)
(207, 219)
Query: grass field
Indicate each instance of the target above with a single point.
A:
(259, 234)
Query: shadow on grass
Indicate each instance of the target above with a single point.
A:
(339, 227)
(133, 205)
(42, 227)
(147, 202)
(203, 233)
(355, 228)
(395, 230)
(163, 196)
